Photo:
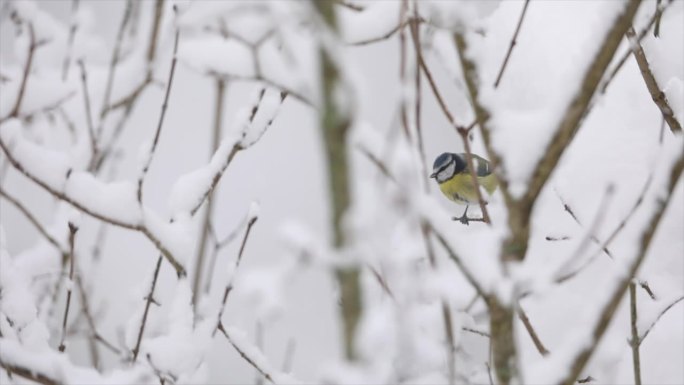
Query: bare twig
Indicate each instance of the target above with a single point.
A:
(454, 257)
(48, 108)
(229, 285)
(530, 330)
(647, 236)
(85, 305)
(148, 302)
(156, 23)
(245, 356)
(32, 219)
(660, 315)
(264, 80)
(72, 257)
(165, 103)
(512, 44)
(113, 64)
(89, 116)
(70, 41)
(660, 8)
(604, 245)
(403, 23)
(30, 374)
(658, 96)
(33, 44)
(350, 5)
(658, 16)
(634, 342)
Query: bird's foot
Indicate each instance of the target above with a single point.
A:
(463, 219)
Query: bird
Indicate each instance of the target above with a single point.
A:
(451, 172)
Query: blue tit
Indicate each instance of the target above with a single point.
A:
(453, 176)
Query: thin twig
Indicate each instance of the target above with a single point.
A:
(27, 69)
(165, 103)
(85, 305)
(229, 285)
(657, 94)
(89, 116)
(264, 80)
(383, 37)
(455, 257)
(512, 44)
(604, 245)
(530, 330)
(634, 342)
(244, 355)
(660, 315)
(70, 41)
(72, 257)
(32, 219)
(647, 235)
(149, 299)
(642, 34)
(658, 16)
(113, 65)
(156, 23)
(30, 374)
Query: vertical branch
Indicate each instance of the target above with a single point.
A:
(27, 69)
(513, 43)
(113, 64)
(156, 23)
(89, 116)
(72, 256)
(634, 341)
(164, 106)
(229, 285)
(335, 122)
(70, 42)
(148, 301)
(414, 26)
(204, 237)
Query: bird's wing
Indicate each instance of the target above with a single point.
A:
(482, 166)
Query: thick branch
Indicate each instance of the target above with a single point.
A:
(334, 123)
(575, 112)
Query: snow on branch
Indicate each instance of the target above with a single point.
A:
(113, 203)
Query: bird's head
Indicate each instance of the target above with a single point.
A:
(446, 166)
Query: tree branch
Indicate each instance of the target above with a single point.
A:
(634, 342)
(658, 96)
(647, 236)
(72, 257)
(148, 302)
(165, 103)
(510, 47)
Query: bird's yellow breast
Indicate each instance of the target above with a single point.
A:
(461, 189)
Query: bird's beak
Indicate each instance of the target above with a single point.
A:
(433, 175)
